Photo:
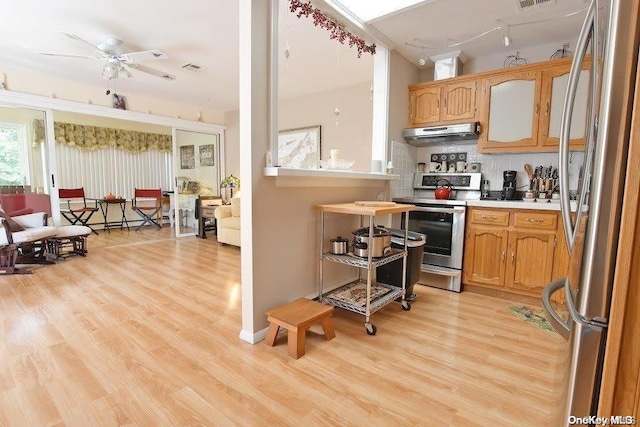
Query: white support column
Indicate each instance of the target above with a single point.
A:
(379, 147)
(256, 93)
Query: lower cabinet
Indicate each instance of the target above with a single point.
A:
(513, 252)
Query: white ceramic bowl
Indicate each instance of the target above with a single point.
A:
(337, 164)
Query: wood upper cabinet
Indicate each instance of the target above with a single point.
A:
(511, 110)
(424, 105)
(459, 101)
(554, 86)
(446, 103)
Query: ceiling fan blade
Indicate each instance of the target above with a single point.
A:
(152, 71)
(74, 37)
(146, 55)
(69, 55)
(126, 72)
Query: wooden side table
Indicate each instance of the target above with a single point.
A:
(104, 207)
(206, 212)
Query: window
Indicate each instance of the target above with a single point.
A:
(13, 155)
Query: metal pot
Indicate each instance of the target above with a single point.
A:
(379, 244)
(339, 246)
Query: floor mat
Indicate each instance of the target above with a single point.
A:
(534, 316)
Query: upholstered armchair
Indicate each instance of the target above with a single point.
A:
(228, 222)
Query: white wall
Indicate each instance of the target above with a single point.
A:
(402, 74)
(353, 133)
(40, 84)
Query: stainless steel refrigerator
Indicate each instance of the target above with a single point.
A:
(591, 223)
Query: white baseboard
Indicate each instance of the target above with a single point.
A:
(253, 338)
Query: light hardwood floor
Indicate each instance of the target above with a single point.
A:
(146, 334)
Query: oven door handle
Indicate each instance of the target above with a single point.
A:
(440, 210)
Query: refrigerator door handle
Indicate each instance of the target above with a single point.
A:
(571, 227)
(559, 324)
(592, 322)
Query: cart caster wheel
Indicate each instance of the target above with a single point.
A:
(371, 328)
(406, 306)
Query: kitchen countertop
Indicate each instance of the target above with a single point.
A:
(518, 204)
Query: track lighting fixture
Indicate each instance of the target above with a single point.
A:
(506, 40)
(422, 61)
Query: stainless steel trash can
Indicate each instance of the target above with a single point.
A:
(391, 273)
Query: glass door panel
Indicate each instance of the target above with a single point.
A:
(197, 165)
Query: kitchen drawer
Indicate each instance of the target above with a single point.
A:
(487, 217)
(540, 221)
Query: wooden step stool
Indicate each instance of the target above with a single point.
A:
(297, 316)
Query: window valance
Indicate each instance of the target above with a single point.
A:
(89, 138)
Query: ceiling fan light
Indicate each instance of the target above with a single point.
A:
(506, 40)
(109, 71)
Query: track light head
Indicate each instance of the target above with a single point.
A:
(507, 40)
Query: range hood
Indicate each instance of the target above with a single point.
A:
(432, 135)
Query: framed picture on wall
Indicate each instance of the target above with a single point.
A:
(206, 155)
(187, 157)
(299, 148)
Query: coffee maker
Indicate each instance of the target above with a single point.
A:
(509, 185)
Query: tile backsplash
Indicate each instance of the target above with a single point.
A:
(405, 164)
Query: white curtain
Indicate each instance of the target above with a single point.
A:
(106, 171)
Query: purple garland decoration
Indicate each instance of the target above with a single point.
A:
(337, 32)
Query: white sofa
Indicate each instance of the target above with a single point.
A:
(228, 222)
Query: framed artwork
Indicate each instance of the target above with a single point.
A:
(206, 155)
(119, 102)
(299, 148)
(187, 157)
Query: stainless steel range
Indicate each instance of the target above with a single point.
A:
(442, 221)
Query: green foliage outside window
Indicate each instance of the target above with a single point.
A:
(11, 172)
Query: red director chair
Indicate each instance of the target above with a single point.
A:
(82, 214)
(147, 203)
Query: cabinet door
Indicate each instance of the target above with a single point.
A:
(554, 87)
(424, 105)
(459, 101)
(530, 260)
(484, 256)
(511, 110)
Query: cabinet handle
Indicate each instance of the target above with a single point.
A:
(513, 258)
(547, 112)
(555, 242)
(504, 254)
(438, 104)
(491, 217)
(445, 103)
(537, 107)
(534, 220)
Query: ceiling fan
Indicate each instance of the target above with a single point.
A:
(116, 58)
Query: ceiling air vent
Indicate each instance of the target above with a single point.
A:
(193, 67)
(528, 4)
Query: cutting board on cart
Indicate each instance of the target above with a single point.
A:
(374, 203)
